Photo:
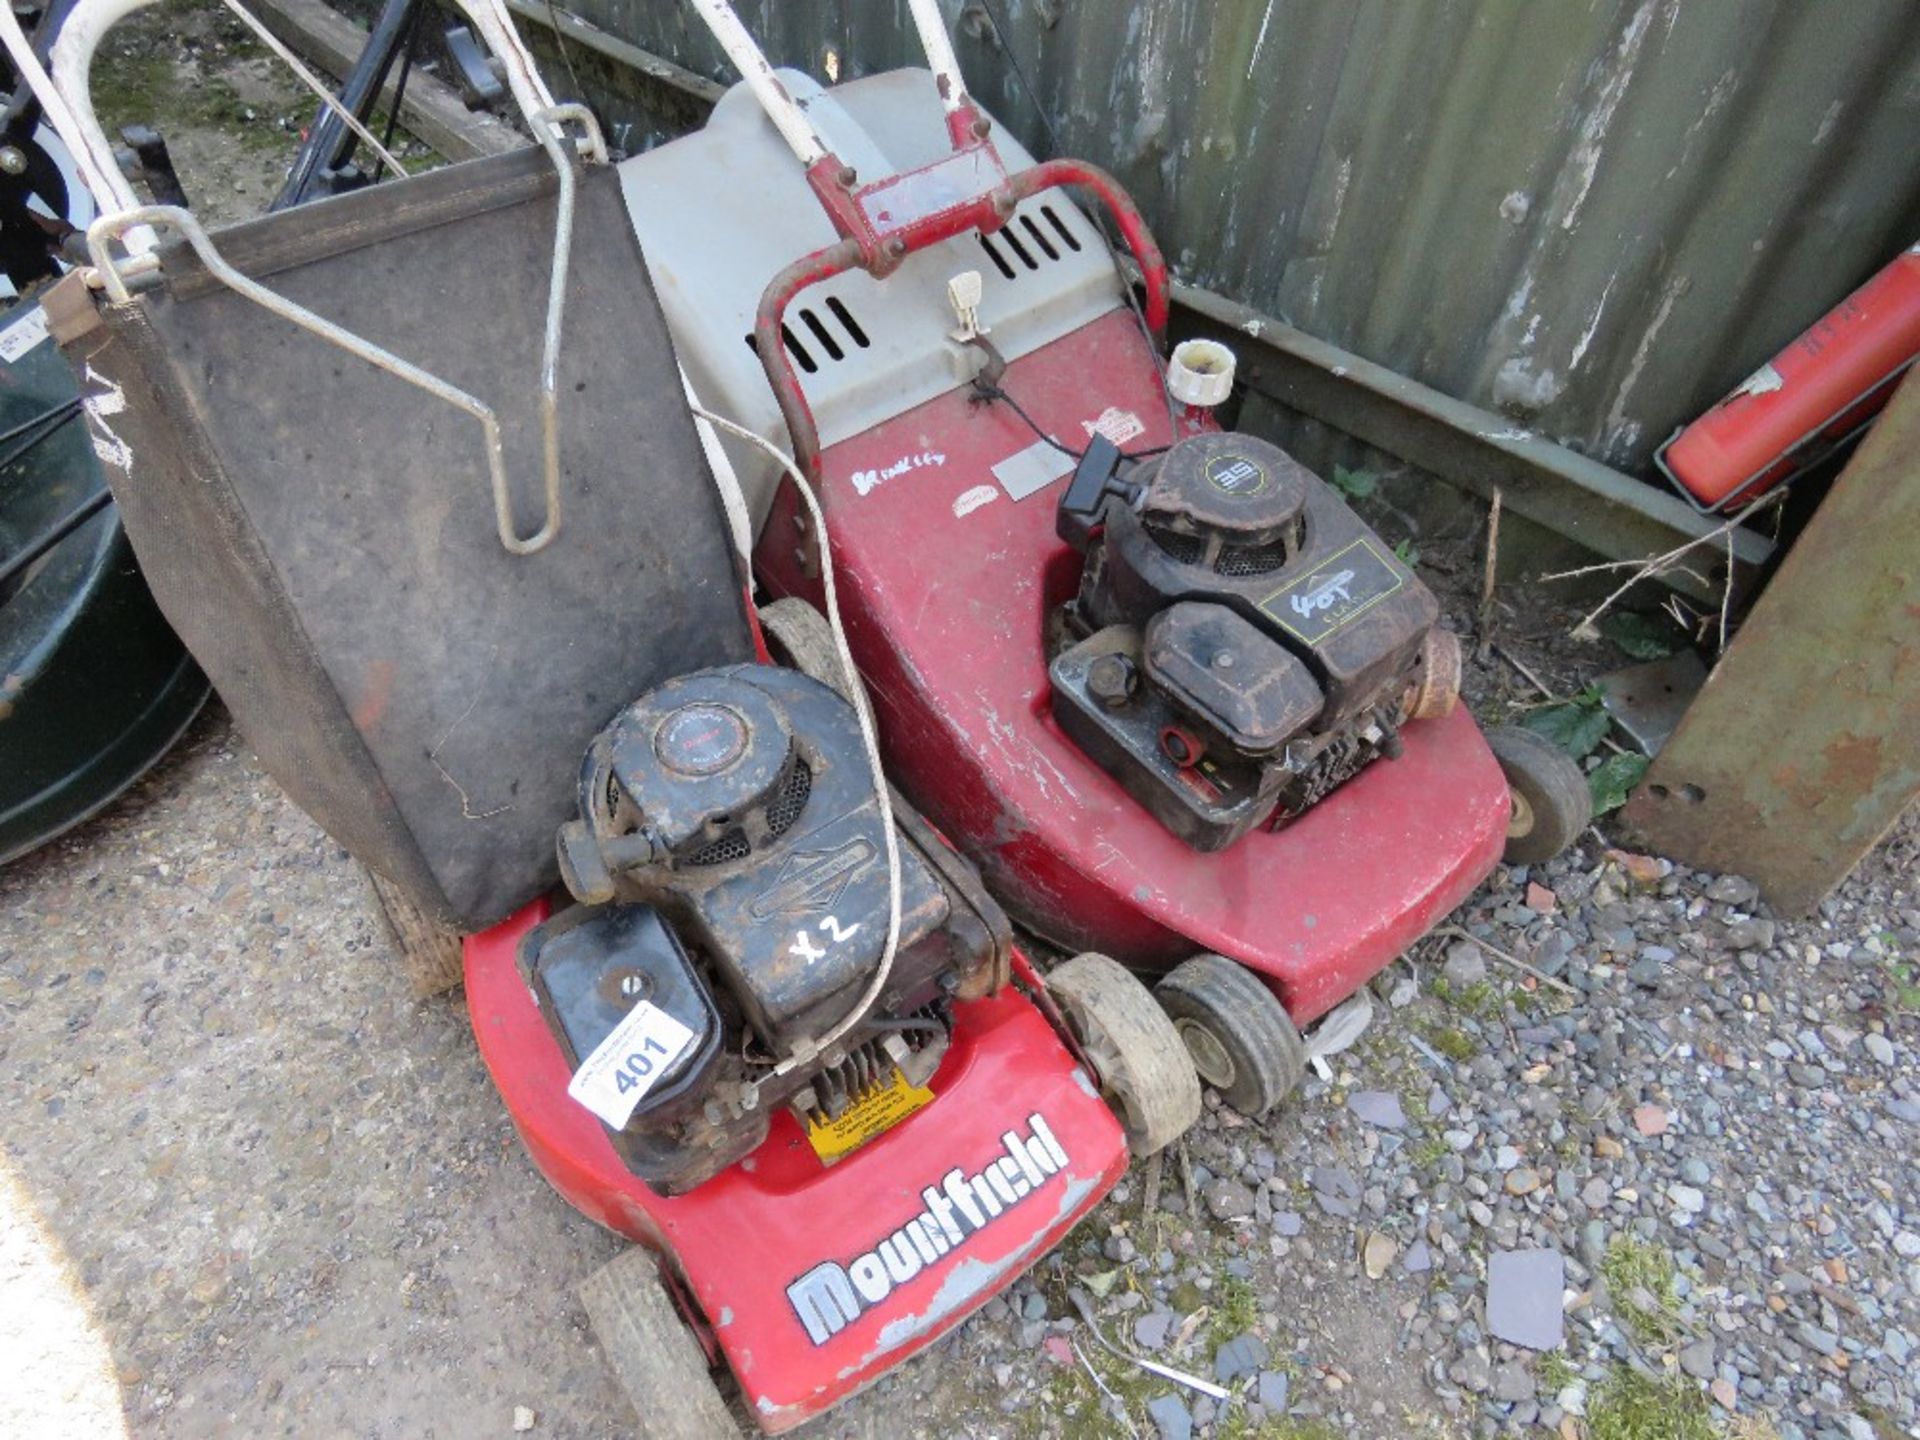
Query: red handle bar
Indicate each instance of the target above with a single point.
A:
(987, 214)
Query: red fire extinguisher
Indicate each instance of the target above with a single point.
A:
(1813, 395)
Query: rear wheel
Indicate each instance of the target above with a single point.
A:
(1550, 797)
(799, 637)
(1142, 1065)
(655, 1357)
(430, 952)
(1242, 1041)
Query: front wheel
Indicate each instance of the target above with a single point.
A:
(801, 639)
(1551, 801)
(655, 1357)
(1142, 1065)
(1242, 1040)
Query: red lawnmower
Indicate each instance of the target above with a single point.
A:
(1175, 699)
(773, 1028)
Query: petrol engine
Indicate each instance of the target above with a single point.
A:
(1241, 642)
(730, 865)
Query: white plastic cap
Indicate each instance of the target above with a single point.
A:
(1200, 372)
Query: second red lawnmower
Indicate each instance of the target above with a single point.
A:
(1160, 682)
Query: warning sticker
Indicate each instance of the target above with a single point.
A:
(23, 334)
(879, 1110)
(1116, 425)
(1339, 590)
(629, 1062)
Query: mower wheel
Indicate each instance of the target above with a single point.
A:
(1143, 1066)
(1552, 803)
(430, 952)
(655, 1357)
(799, 637)
(1240, 1036)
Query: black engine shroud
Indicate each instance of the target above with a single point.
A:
(732, 861)
(1241, 642)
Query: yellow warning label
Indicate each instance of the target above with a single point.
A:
(874, 1113)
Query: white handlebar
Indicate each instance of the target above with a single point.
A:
(787, 117)
(938, 44)
(751, 62)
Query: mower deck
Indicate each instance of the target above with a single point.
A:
(947, 581)
(814, 1280)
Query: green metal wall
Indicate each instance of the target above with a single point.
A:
(1594, 216)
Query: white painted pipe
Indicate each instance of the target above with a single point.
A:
(98, 169)
(938, 44)
(751, 62)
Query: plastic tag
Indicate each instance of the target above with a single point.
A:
(629, 1062)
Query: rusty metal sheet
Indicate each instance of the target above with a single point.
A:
(1804, 745)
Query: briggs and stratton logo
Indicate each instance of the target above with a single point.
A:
(831, 1296)
(1236, 474)
(813, 879)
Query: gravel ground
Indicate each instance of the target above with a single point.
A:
(1691, 1123)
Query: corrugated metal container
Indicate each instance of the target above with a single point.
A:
(1595, 216)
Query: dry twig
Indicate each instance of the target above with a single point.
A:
(1515, 961)
(1487, 578)
(1657, 565)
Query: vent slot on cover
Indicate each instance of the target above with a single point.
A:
(1009, 238)
(828, 347)
(1039, 237)
(730, 846)
(1060, 228)
(791, 800)
(1025, 242)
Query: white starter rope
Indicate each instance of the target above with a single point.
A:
(856, 692)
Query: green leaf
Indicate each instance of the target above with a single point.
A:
(1408, 552)
(1355, 484)
(1613, 779)
(1577, 727)
(1643, 636)
(1100, 1283)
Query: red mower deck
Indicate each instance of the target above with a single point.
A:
(946, 583)
(813, 1280)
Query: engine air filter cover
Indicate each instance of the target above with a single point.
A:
(1220, 668)
(1234, 486)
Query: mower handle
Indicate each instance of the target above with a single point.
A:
(882, 254)
(787, 117)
